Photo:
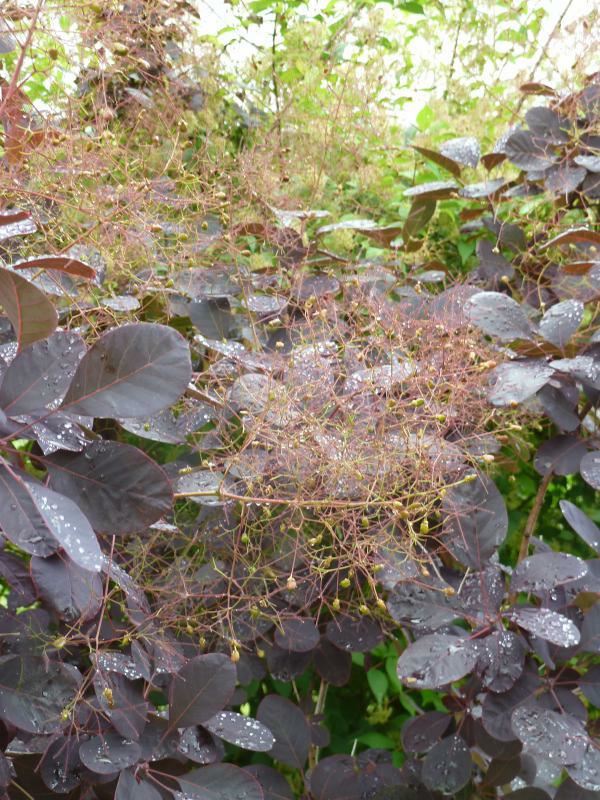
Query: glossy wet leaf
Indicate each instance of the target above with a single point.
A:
(590, 469)
(435, 190)
(561, 321)
(74, 593)
(543, 571)
(558, 737)
(69, 526)
(528, 151)
(130, 788)
(109, 753)
(501, 659)
(441, 160)
(499, 316)
(435, 660)
(290, 728)
(476, 522)
(118, 487)
(547, 624)
(498, 707)
(200, 689)
(132, 371)
(464, 150)
(586, 772)
(34, 692)
(354, 634)
(421, 733)
(447, 766)
(420, 605)
(32, 315)
(581, 524)
(219, 782)
(516, 381)
(245, 732)
(39, 376)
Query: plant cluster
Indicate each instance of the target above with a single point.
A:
(240, 492)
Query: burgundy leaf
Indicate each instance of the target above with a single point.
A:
(31, 313)
(118, 487)
(290, 728)
(132, 371)
(200, 689)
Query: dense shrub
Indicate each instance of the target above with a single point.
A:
(251, 543)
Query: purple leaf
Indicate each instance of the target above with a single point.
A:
(590, 469)
(464, 150)
(297, 634)
(109, 753)
(74, 593)
(357, 635)
(435, 660)
(558, 737)
(561, 321)
(447, 766)
(497, 709)
(39, 375)
(241, 731)
(419, 734)
(129, 788)
(499, 315)
(581, 524)
(219, 782)
(332, 664)
(290, 728)
(131, 371)
(561, 455)
(118, 487)
(543, 571)
(517, 381)
(546, 624)
(31, 313)
(477, 520)
(34, 692)
(501, 660)
(586, 773)
(274, 785)
(200, 689)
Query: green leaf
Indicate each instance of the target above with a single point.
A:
(378, 683)
(413, 8)
(378, 740)
(425, 117)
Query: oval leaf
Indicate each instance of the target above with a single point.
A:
(200, 689)
(39, 376)
(118, 487)
(543, 571)
(74, 593)
(288, 725)
(435, 660)
(581, 524)
(132, 371)
(447, 766)
(561, 321)
(548, 625)
(34, 692)
(31, 313)
(219, 782)
(241, 731)
(545, 733)
(498, 315)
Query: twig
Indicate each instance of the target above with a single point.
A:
(543, 53)
(533, 515)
